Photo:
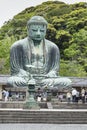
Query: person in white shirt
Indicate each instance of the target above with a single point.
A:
(74, 93)
(83, 95)
(6, 94)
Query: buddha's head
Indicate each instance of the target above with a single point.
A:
(37, 26)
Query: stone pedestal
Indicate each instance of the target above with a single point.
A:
(31, 102)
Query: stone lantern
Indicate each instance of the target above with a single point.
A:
(31, 103)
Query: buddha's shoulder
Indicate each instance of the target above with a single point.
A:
(50, 43)
(19, 43)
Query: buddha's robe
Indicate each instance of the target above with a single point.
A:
(37, 63)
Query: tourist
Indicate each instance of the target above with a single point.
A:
(74, 93)
(77, 96)
(10, 95)
(69, 96)
(60, 97)
(44, 95)
(6, 95)
(86, 96)
(17, 96)
(83, 95)
(39, 95)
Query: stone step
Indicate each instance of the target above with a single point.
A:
(18, 104)
(38, 119)
(49, 105)
(58, 105)
(69, 106)
(56, 117)
(44, 122)
(42, 113)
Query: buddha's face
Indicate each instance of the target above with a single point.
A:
(37, 32)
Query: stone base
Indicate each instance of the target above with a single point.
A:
(22, 105)
(12, 105)
(31, 104)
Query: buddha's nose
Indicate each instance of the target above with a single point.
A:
(38, 33)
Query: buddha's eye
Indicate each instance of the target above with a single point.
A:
(34, 30)
(42, 30)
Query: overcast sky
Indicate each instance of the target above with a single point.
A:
(9, 8)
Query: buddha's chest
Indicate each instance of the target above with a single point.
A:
(37, 56)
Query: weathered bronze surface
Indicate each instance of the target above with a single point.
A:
(35, 60)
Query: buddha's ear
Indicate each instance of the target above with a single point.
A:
(28, 30)
(28, 26)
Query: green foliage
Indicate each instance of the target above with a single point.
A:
(51, 32)
(5, 45)
(68, 68)
(59, 23)
(72, 53)
(63, 36)
(62, 40)
(67, 28)
(60, 10)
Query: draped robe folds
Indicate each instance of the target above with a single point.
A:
(45, 75)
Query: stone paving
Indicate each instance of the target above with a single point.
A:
(42, 127)
(29, 126)
(75, 110)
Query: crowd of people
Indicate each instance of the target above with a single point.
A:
(41, 95)
(72, 96)
(9, 96)
(75, 96)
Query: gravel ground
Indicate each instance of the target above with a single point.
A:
(43, 127)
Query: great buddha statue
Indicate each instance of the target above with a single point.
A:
(36, 59)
